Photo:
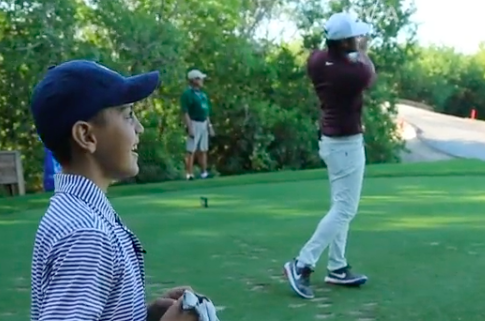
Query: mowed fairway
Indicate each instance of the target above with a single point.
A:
(420, 239)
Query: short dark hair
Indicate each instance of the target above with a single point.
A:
(62, 151)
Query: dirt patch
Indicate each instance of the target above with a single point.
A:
(296, 305)
(324, 305)
(248, 281)
(22, 288)
(155, 285)
(278, 278)
(242, 244)
(370, 305)
(365, 314)
(323, 316)
(323, 290)
(20, 279)
(356, 313)
(260, 287)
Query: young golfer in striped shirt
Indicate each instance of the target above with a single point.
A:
(87, 265)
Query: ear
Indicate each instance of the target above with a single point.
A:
(83, 135)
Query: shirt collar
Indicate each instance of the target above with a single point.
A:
(86, 190)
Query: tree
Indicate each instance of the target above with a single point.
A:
(450, 81)
(264, 107)
(389, 18)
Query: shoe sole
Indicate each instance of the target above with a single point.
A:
(287, 272)
(356, 282)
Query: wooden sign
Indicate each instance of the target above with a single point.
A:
(12, 172)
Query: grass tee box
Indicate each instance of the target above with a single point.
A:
(418, 236)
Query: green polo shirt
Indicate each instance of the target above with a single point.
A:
(195, 102)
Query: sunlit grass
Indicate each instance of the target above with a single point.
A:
(420, 240)
(15, 222)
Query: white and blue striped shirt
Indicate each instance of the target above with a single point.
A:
(87, 265)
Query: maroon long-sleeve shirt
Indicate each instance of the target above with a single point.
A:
(339, 84)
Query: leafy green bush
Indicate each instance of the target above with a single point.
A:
(157, 162)
(264, 107)
(450, 81)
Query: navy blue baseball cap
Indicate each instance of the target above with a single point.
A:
(77, 90)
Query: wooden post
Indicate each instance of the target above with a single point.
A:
(12, 172)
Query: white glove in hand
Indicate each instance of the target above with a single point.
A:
(362, 58)
(354, 56)
(201, 305)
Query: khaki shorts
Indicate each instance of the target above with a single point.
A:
(200, 141)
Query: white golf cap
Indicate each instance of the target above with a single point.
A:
(195, 74)
(342, 25)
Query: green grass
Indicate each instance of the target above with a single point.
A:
(418, 235)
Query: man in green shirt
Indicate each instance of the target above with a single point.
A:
(196, 108)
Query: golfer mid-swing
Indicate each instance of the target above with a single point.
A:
(339, 74)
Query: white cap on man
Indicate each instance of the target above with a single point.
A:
(196, 74)
(343, 25)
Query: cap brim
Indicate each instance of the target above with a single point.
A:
(139, 87)
(358, 29)
(361, 29)
(203, 76)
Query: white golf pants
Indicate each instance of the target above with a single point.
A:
(345, 159)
